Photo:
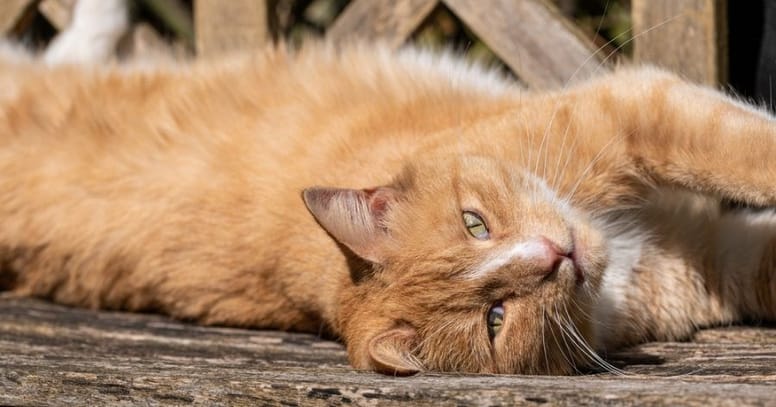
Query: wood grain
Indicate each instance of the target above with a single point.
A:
(53, 355)
(389, 21)
(228, 26)
(532, 38)
(13, 13)
(685, 36)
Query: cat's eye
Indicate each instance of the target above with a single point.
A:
(495, 319)
(475, 225)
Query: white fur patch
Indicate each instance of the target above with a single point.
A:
(93, 33)
(521, 251)
(624, 252)
(458, 71)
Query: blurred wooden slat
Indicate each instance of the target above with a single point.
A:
(57, 12)
(145, 43)
(389, 21)
(12, 12)
(226, 26)
(532, 38)
(686, 36)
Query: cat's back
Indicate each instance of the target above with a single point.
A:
(271, 123)
(270, 108)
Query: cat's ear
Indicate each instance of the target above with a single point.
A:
(391, 352)
(353, 216)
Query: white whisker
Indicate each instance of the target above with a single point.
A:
(654, 27)
(544, 340)
(592, 163)
(588, 350)
(571, 360)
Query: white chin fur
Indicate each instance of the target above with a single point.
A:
(624, 249)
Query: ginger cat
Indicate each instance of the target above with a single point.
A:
(430, 214)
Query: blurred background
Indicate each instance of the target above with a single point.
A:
(294, 21)
(744, 36)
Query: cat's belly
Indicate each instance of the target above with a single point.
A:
(679, 263)
(656, 263)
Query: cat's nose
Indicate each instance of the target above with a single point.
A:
(549, 256)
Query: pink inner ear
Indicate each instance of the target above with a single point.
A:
(379, 199)
(354, 217)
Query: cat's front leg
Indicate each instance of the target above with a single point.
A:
(682, 134)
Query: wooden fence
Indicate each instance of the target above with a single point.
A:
(540, 45)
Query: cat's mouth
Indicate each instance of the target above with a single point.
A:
(576, 255)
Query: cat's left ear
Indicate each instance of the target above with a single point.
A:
(355, 217)
(391, 352)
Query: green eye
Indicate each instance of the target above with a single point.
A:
(475, 225)
(495, 319)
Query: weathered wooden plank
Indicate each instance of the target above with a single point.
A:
(388, 21)
(227, 26)
(12, 12)
(53, 355)
(533, 38)
(685, 36)
(57, 12)
(144, 42)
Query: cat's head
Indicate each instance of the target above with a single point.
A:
(471, 265)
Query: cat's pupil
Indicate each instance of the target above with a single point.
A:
(495, 319)
(475, 225)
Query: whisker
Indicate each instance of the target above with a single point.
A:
(594, 161)
(569, 330)
(580, 345)
(544, 341)
(588, 350)
(601, 20)
(600, 66)
(427, 338)
(553, 319)
(629, 40)
(566, 326)
(593, 55)
(581, 310)
(570, 360)
(561, 151)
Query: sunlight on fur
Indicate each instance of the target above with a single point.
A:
(326, 188)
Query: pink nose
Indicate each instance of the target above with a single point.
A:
(549, 256)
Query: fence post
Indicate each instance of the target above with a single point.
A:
(229, 25)
(57, 12)
(686, 36)
(532, 38)
(12, 14)
(391, 21)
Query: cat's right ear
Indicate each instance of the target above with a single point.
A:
(354, 217)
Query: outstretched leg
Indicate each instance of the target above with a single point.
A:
(690, 136)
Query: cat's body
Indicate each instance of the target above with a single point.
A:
(180, 190)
